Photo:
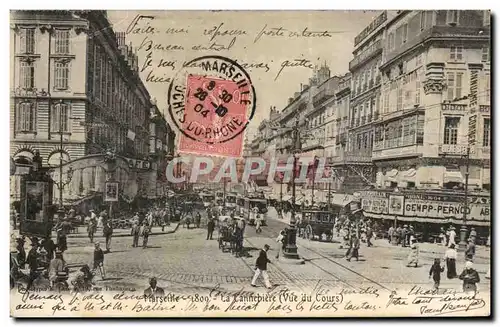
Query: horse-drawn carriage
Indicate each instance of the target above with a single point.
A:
(316, 223)
(230, 237)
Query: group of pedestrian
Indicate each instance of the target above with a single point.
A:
(140, 230)
(401, 235)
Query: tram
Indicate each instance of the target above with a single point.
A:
(251, 202)
(231, 200)
(207, 198)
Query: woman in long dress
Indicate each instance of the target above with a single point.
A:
(414, 253)
(451, 262)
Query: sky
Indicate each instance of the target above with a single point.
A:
(263, 41)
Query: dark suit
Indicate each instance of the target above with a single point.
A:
(262, 260)
(157, 292)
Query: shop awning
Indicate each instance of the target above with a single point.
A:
(409, 175)
(342, 199)
(453, 177)
(486, 176)
(469, 222)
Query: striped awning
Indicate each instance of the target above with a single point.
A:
(342, 199)
(453, 177)
(469, 222)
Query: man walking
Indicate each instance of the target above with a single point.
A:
(261, 268)
(136, 229)
(146, 230)
(210, 229)
(108, 233)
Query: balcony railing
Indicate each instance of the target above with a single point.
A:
(454, 149)
(361, 156)
(371, 51)
(454, 107)
(484, 108)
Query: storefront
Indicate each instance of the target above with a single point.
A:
(428, 211)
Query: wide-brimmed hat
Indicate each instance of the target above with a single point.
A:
(58, 252)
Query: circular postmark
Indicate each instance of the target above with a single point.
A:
(211, 100)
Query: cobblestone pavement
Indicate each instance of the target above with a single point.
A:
(186, 261)
(384, 263)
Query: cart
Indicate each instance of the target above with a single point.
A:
(225, 233)
(316, 223)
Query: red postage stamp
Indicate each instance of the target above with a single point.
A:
(213, 107)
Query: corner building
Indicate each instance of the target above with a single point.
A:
(76, 94)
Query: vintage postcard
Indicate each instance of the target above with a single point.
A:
(250, 163)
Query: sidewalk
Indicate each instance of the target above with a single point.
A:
(82, 231)
(482, 252)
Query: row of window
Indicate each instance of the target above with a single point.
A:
(26, 120)
(408, 131)
(27, 41)
(111, 89)
(452, 126)
(27, 75)
(368, 78)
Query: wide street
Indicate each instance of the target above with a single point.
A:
(186, 261)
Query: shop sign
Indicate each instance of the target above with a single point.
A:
(374, 202)
(111, 194)
(445, 210)
(138, 164)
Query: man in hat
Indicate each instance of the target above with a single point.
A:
(99, 260)
(56, 266)
(49, 247)
(261, 268)
(21, 252)
(470, 251)
(108, 233)
(473, 235)
(153, 290)
(470, 278)
(32, 261)
(92, 227)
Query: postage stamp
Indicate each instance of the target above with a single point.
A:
(211, 101)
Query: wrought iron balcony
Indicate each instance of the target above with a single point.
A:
(370, 52)
(454, 107)
(484, 108)
(454, 149)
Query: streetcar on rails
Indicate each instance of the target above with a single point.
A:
(207, 198)
(251, 202)
(231, 200)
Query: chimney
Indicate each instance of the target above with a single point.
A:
(305, 87)
(290, 100)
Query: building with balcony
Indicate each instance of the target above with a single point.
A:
(76, 93)
(435, 101)
(358, 170)
(161, 149)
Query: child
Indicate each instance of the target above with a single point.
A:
(145, 235)
(435, 272)
(135, 232)
(99, 260)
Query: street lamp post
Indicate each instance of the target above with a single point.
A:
(463, 230)
(291, 246)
